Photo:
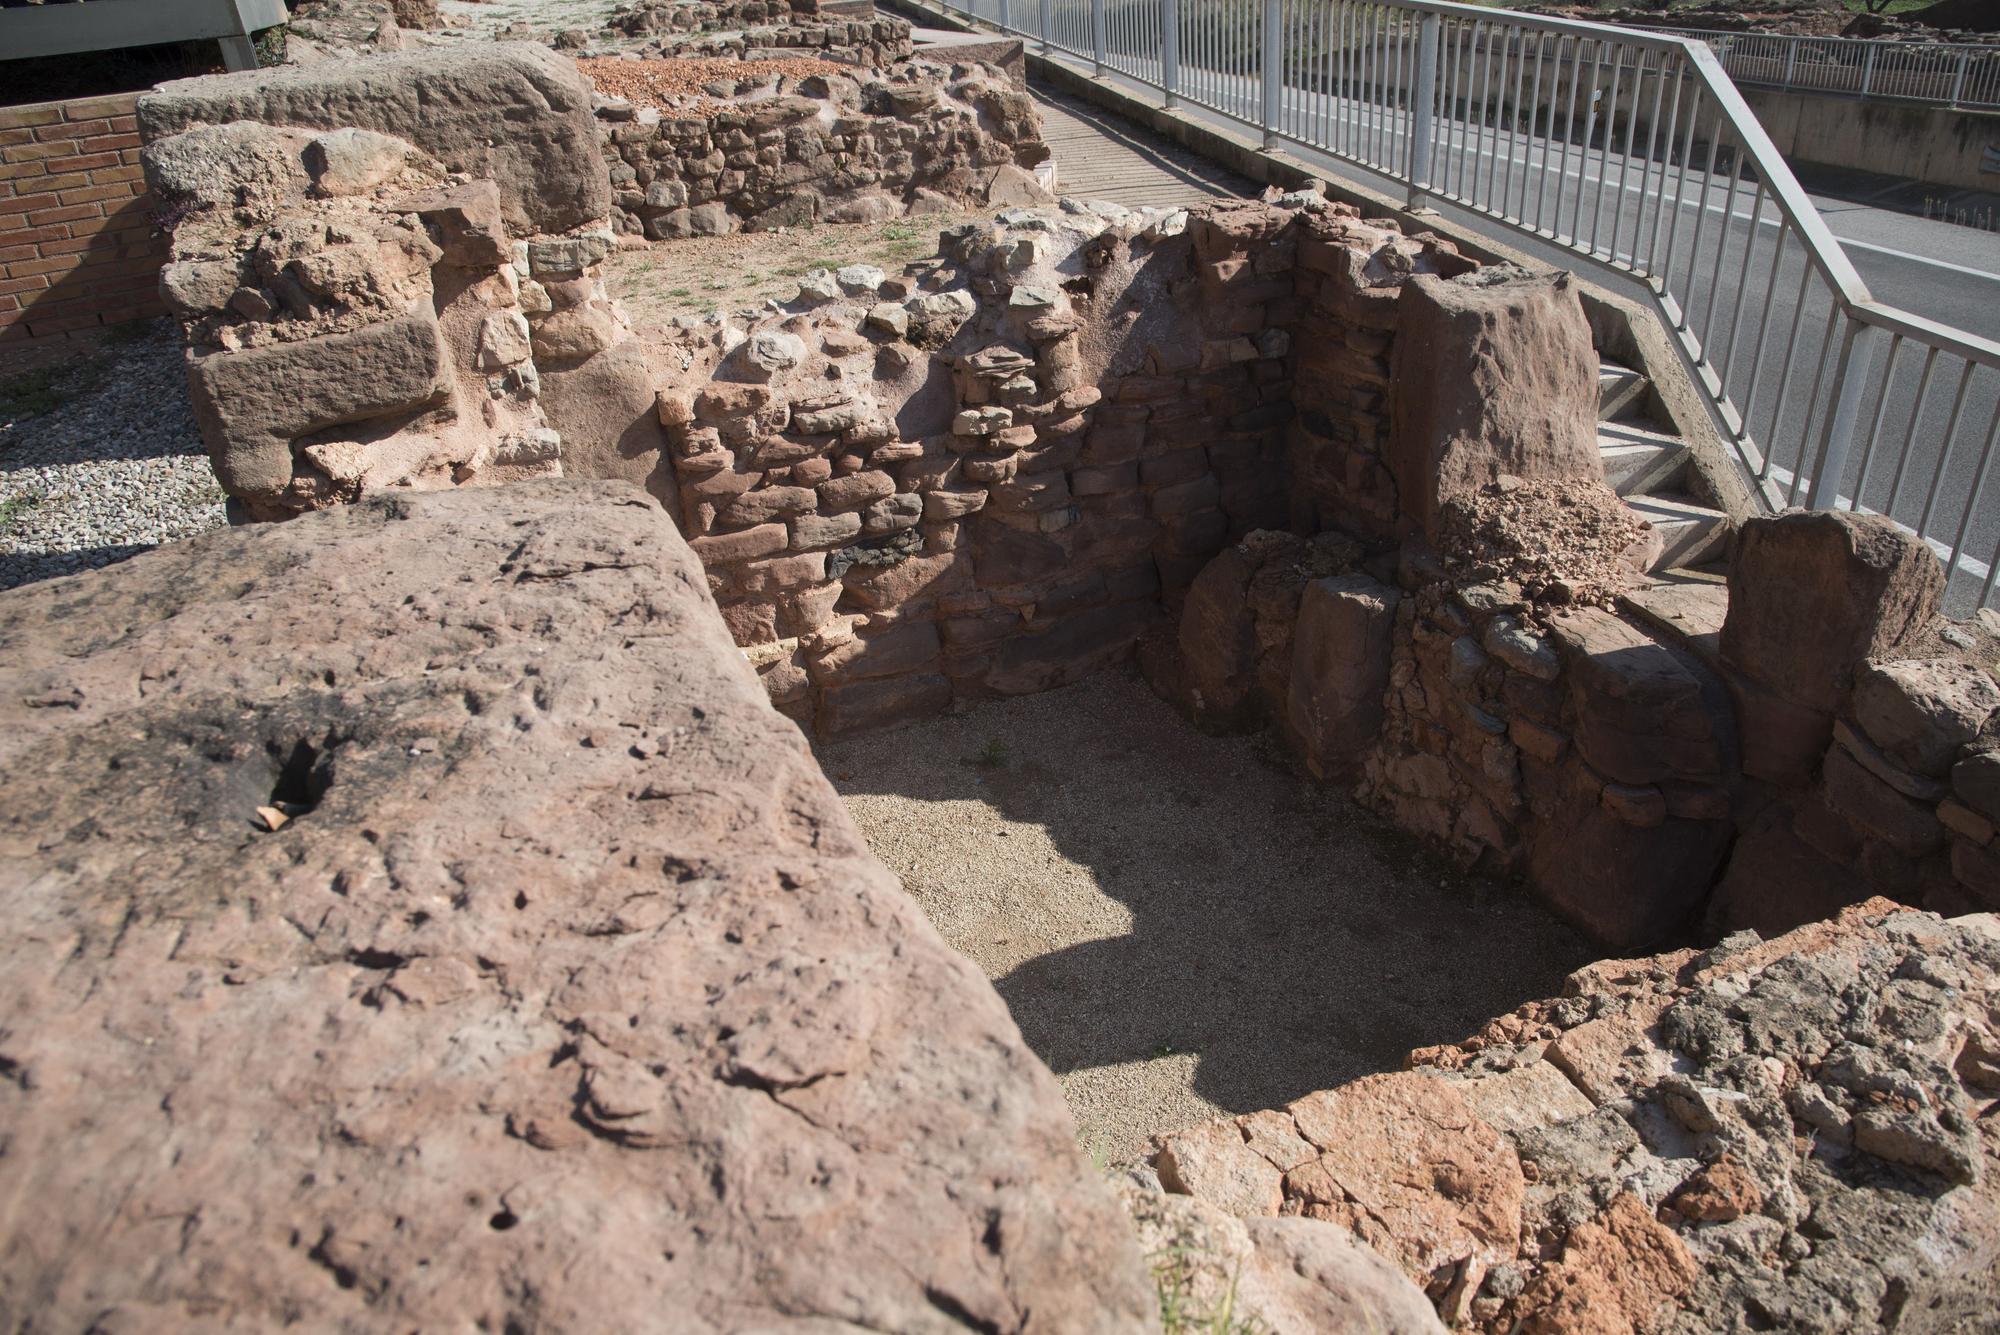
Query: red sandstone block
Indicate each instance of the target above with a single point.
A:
(45, 217)
(13, 118)
(94, 108)
(112, 143)
(12, 285)
(92, 194)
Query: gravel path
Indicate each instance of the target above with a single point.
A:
(113, 468)
(1182, 926)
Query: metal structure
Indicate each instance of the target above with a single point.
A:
(1949, 74)
(1633, 150)
(107, 25)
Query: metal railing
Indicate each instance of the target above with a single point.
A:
(1950, 74)
(1631, 149)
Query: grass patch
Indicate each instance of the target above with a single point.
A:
(993, 755)
(1181, 1314)
(14, 508)
(32, 393)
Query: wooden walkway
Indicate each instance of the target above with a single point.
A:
(1100, 155)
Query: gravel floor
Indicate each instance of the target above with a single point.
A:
(114, 467)
(1182, 926)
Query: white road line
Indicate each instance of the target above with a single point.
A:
(1849, 243)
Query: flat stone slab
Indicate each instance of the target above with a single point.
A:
(1693, 610)
(563, 995)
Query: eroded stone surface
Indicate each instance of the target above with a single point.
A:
(565, 996)
(1784, 1134)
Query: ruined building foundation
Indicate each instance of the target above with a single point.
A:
(554, 962)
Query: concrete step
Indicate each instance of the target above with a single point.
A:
(1689, 533)
(1639, 459)
(1619, 391)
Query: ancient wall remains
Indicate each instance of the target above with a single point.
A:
(751, 149)
(552, 987)
(79, 248)
(987, 476)
(359, 316)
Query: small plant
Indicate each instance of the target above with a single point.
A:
(993, 755)
(681, 292)
(32, 393)
(1162, 1050)
(1173, 1278)
(899, 231)
(13, 508)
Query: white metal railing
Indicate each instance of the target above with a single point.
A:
(1631, 149)
(1952, 74)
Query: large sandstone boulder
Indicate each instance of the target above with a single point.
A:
(1766, 1135)
(1493, 373)
(563, 996)
(1813, 594)
(515, 112)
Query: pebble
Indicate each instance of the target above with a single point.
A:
(117, 469)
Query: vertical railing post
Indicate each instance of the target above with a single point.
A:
(1274, 70)
(1170, 51)
(1422, 108)
(1042, 25)
(1958, 79)
(1850, 378)
(1097, 35)
(1868, 69)
(1006, 18)
(239, 49)
(1791, 59)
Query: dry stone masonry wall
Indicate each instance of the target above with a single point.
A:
(760, 150)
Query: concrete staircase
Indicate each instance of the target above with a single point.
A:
(1648, 466)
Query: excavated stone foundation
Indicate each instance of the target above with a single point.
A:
(1314, 475)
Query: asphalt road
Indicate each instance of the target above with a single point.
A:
(1766, 320)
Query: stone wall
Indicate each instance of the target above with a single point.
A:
(988, 476)
(78, 245)
(785, 151)
(360, 317)
(473, 946)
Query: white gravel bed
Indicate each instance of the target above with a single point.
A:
(116, 468)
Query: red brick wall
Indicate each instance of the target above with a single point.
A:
(77, 249)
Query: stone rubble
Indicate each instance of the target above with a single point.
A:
(1766, 1135)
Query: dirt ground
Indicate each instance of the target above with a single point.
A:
(661, 279)
(1182, 926)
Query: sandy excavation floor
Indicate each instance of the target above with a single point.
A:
(699, 274)
(1181, 926)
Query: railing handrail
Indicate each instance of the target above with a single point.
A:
(1703, 34)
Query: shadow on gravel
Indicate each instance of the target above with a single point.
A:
(1199, 898)
(18, 568)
